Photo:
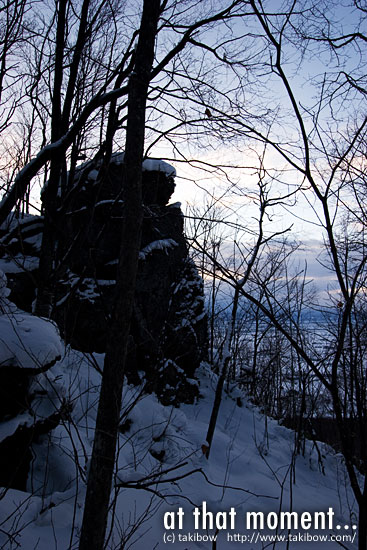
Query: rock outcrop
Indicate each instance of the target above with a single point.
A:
(29, 347)
(168, 332)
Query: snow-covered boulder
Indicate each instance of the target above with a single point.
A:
(29, 345)
(28, 342)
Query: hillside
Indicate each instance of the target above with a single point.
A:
(251, 466)
(163, 482)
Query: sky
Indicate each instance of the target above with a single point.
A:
(194, 186)
(195, 189)
(301, 215)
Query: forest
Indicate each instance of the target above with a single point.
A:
(183, 314)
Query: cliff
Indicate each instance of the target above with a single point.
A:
(168, 332)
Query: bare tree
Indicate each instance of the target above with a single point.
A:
(321, 145)
(102, 463)
(328, 164)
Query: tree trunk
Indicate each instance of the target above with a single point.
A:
(45, 291)
(103, 456)
(362, 526)
(224, 361)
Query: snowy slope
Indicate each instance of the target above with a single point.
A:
(249, 469)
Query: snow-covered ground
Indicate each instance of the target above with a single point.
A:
(163, 482)
(251, 468)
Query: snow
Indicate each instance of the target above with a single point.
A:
(161, 244)
(30, 227)
(13, 221)
(26, 341)
(149, 165)
(89, 289)
(249, 469)
(77, 211)
(10, 426)
(252, 465)
(18, 263)
(109, 201)
(93, 174)
(4, 291)
(106, 282)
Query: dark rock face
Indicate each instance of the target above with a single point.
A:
(16, 454)
(14, 391)
(186, 327)
(168, 332)
(20, 242)
(20, 389)
(15, 383)
(21, 426)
